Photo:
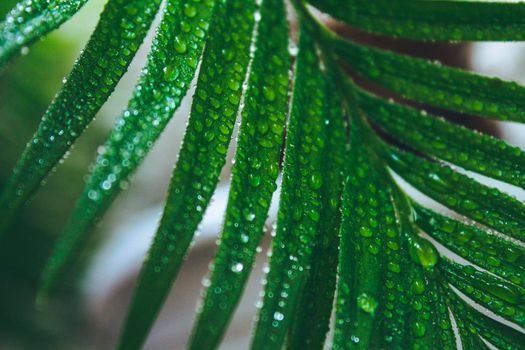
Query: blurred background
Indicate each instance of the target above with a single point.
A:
(89, 310)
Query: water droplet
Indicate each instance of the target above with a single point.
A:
(367, 303)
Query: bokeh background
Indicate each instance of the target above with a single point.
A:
(89, 309)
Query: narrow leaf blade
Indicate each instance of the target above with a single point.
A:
(502, 257)
(299, 208)
(312, 318)
(360, 270)
(253, 176)
(441, 139)
(503, 298)
(459, 192)
(436, 85)
(203, 154)
(432, 20)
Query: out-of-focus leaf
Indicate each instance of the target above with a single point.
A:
(29, 20)
(119, 33)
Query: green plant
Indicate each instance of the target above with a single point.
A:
(345, 227)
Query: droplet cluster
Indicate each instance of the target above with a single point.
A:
(121, 29)
(254, 173)
(301, 200)
(151, 106)
(451, 21)
(436, 85)
(31, 19)
(447, 141)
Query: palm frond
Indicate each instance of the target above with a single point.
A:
(350, 240)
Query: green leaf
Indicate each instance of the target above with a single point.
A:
(312, 317)
(343, 220)
(447, 141)
(470, 339)
(162, 85)
(363, 230)
(459, 192)
(30, 20)
(431, 20)
(500, 297)
(214, 111)
(485, 249)
(393, 311)
(424, 313)
(119, 33)
(253, 176)
(434, 84)
(300, 203)
(501, 336)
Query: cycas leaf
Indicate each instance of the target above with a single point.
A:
(363, 230)
(300, 202)
(379, 285)
(487, 250)
(434, 84)
(253, 176)
(459, 192)
(30, 20)
(159, 92)
(499, 335)
(470, 340)
(203, 154)
(431, 20)
(500, 297)
(423, 327)
(311, 320)
(119, 33)
(343, 221)
(447, 141)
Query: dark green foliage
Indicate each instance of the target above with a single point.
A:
(431, 83)
(301, 199)
(254, 175)
(431, 20)
(348, 233)
(156, 96)
(311, 320)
